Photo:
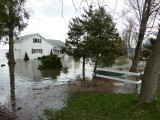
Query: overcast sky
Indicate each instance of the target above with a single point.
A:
(47, 18)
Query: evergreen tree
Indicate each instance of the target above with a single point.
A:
(3, 16)
(93, 36)
(102, 37)
(51, 53)
(75, 45)
(26, 58)
(14, 22)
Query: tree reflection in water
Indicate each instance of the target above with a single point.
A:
(12, 88)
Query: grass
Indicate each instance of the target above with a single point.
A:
(105, 106)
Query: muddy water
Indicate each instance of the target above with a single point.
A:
(25, 91)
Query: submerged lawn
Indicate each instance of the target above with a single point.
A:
(106, 106)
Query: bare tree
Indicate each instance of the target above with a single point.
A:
(151, 74)
(128, 32)
(146, 12)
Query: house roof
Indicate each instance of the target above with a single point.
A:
(56, 43)
(22, 38)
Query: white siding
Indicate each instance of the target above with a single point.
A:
(17, 54)
(27, 46)
(17, 50)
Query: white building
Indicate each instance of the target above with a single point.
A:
(36, 46)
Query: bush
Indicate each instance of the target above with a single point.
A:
(26, 58)
(51, 53)
(50, 62)
(39, 58)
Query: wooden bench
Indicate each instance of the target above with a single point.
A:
(100, 72)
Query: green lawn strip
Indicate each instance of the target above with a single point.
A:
(106, 106)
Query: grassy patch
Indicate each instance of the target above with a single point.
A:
(105, 106)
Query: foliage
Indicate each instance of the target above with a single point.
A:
(148, 47)
(51, 53)
(75, 41)
(93, 36)
(15, 16)
(39, 58)
(26, 58)
(122, 48)
(102, 37)
(50, 62)
(105, 106)
(13, 21)
(3, 16)
(107, 60)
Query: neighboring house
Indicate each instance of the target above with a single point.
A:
(36, 46)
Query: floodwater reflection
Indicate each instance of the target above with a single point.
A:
(47, 74)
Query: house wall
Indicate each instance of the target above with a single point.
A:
(17, 54)
(27, 46)
(17, 50)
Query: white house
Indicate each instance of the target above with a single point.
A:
(36, 46)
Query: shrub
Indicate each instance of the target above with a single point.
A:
(51, 53)
(26, 58)
(39, 58)
(50, 62)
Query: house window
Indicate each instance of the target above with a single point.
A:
(37, 51)
(36, 40)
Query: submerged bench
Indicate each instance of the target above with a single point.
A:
(117, 75)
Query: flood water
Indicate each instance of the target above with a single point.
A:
(22, 85)
(26, 91)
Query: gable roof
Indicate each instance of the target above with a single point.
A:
(56, 43)
(22, 38)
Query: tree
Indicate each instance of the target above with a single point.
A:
(122, 47)
(75, 42)
(93, 36)
(26, 58)
(151, 74)
(14, 22)
(3, 16)
(148, 11)
(129, 33)
(102, 37)
(51, 53)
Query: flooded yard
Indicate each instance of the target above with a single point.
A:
(26, 91)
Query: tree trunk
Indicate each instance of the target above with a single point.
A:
(12, 82)
(11, 48)
(83, 69)
(145, 17)
(11, 29)
(151, 74)
(96, 63)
